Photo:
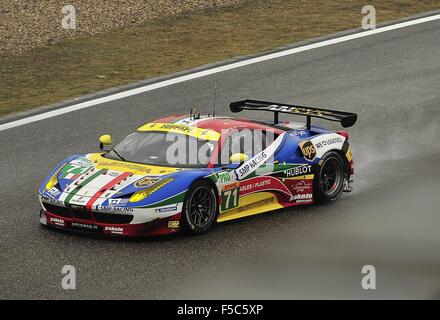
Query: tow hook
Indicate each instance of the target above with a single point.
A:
(347, 186)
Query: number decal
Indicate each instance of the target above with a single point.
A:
(73, 167)
(230, 199)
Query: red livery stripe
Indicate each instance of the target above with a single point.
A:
(105, 188)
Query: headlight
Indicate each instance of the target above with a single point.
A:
(52, 182)
(54, 179)
(141, 195)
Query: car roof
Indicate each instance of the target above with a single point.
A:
(218, 123)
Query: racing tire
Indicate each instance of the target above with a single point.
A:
(199, 208)
(329, 179)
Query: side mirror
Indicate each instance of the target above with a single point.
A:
(238, 158)
(105, 140)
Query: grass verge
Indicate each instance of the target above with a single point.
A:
(85, 65)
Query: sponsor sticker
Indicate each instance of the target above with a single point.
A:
(123, 166)
(121, 210)
(326, 142)
(230, 186)
(52, 201)
(77, 207)
(117, 202)
(57, 221)
(257, 204)
(301, 186)
(301, 133)
(166, 209)
(306, 197)
(298, 171)
(308, 150)
(173, 224)
(54, 192)
(80, 201)
(258, 185)
(254, 163)
(117, 230)
(146, 182)
(113, 173)
(200, 133)
(292, 109)
(82, 161)
(85, 226)
(329, 142)
(224, 177)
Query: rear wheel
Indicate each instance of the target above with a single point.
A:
(199, 208)
(329, 181)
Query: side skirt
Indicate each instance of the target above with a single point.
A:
(256, 203)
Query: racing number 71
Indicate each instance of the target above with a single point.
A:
(230, 199)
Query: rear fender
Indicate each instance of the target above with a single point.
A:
(314, 149)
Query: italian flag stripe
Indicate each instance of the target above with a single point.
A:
(85, 182)
(105, 188)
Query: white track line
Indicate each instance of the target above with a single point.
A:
(200, 74)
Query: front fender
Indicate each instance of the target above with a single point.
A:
(57, 168)
(174, 188)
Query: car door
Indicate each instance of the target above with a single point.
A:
(255, 186)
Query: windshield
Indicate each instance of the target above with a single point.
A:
(164, 149)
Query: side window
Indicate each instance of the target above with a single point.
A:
(259, 144)
(247, 141)
(230, 146)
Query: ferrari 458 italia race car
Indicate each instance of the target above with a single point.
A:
(183, 172)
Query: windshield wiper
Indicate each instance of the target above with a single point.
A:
(117, 153)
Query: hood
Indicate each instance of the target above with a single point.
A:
(93, 181)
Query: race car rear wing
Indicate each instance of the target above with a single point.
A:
(347, 119)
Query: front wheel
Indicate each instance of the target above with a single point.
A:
(199, 208)
(329, 180)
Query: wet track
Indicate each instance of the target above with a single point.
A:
(391, 220)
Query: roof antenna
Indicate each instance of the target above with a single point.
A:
(215, 96)
(194, 114)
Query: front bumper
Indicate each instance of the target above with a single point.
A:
(156, 227)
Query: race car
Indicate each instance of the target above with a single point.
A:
(189, 172)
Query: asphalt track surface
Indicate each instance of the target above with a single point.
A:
(390, 220)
